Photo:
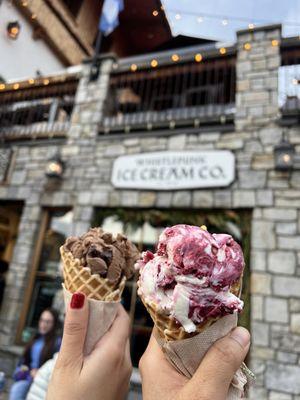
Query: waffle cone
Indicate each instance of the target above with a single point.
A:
(169, 329)
(80, 279)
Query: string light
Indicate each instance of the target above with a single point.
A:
(247, 46)
(251, 26)
(175, 57)
(154, 63)
(295, 81)
(31, 81)
(199, 20)
(24, 3)
(221, 17)
(275, 42)
(177, 16)
(162, 8)
(46, 81)
(16, 86)
(155, 13)
(225, 22)
(2, 86)
(133, 67)
(33, 16)
(198, 57)
(222, 50)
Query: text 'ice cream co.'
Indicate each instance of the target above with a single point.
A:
(174, 170)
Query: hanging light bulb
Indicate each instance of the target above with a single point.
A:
(175, 57)
(155, 13)
(198, 57)
(177, 16)
(225, 22)
(222, 50)
(251, 26)
(133, 67)
(154, 63)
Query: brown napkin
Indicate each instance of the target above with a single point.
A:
(101, 317)
(186, 355)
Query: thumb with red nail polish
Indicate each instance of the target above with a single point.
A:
(75, 328)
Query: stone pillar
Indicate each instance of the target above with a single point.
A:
(258, 60)
(82, 136)
(275, 241)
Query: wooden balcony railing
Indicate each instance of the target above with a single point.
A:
(178, 93)
(37, 109)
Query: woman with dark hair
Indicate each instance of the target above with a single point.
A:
(39, 350)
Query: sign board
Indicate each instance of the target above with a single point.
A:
(170, 170)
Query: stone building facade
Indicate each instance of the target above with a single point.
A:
(272, 197)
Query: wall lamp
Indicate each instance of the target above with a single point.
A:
(55, 167)
(285, 156)
(13, 29)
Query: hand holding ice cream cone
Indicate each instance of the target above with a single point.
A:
(105, 372)
(97, 264)
(191, 288)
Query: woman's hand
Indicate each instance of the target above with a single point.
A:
(102, 375)
(33, 372)
(211, 380)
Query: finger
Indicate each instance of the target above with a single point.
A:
(75, 328)
(158, 375)
(220, 364)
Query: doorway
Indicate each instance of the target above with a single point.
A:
(10, 215)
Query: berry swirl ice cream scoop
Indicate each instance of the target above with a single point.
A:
(191, 281)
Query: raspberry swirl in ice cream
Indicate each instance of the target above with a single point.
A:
(190, 275)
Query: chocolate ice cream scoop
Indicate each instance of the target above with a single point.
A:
(110, 257)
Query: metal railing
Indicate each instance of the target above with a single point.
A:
(39, 109)
(178, 93)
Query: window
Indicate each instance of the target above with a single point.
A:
(73, 6)
(45, 287)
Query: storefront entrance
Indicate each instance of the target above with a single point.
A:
(10, 214)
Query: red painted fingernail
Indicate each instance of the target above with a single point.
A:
(77, 300)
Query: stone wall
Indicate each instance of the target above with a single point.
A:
(273, 196)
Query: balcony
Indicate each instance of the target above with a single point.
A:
(188, 88)
(37, 108)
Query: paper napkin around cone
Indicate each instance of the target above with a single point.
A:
(186, 355)
(101, 316)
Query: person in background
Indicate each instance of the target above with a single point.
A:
(3, 270)
(40, 349)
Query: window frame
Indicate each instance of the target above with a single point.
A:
(33, 270)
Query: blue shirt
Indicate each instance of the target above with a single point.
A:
(37, 348)
(36, 351)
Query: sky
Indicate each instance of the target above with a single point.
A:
(220, 19)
